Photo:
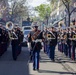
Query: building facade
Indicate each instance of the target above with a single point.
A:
(4, 9)
(60, 14)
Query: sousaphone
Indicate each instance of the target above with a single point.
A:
(10, 27)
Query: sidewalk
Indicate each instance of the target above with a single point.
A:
(61, 66)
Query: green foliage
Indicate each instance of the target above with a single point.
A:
(43, 10)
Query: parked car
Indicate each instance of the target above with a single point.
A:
(26, 31)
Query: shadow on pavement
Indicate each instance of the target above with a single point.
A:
(10, 67)
(57, 72)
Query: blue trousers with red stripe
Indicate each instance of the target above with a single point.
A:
(36, 59)
(73, 52)
(52, 52)
(69, 50)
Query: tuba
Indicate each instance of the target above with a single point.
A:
(10, 27)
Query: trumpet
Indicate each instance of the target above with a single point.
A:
(10, 27)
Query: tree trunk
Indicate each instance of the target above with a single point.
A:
(68, 19)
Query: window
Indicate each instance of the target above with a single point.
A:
(26, 28)
(26, 32)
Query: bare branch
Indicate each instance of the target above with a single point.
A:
(65, 4)
(72, 11)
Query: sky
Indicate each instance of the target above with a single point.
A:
(35, 3)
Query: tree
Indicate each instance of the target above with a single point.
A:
(43, 10)
(17, 8)
(67, 4)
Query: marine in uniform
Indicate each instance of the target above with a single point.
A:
(0, 39)
(59, 40)
(65, 46)
(20, 39)
(3, 40)
(35, 37)
(14, 43)
(73, 43)
(69, 42)
(53, 43)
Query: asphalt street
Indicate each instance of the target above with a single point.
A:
(62, 65)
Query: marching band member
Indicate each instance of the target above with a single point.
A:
(3, 39)
(59, 40)
(65, 47)
(62, 41)
(14, 43)
(16, 38)
(17, 42)
(53, 43)
(21, 36)
(73, 43)
(20, 39)
(69, 42)
(35, 37)
(4, 46)
(45, 40)
(0, 39)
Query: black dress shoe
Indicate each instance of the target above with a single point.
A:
(38, 69)
(53, 60)
(34, 69)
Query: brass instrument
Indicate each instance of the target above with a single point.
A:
(65, 37)
(9, 25)
(49, 35)
(35, 35)
(12, 34)
(74, 37)
(34, 38)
